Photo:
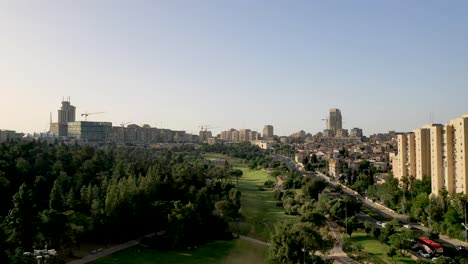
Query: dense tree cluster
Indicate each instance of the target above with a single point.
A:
(66, 194)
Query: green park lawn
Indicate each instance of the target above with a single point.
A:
(258, 207)
(230, 252)
(377, 249)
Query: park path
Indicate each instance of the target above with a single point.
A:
(337, 252)
(109, 251)
(260, 242)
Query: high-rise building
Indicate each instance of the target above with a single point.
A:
(423, 152)
(449, 147)
(406, 160)
(440, 151)
(65, 114)
(334, 120)
(267, 132)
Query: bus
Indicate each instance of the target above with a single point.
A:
(430, 246)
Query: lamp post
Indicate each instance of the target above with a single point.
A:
(466, 229)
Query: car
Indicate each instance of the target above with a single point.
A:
(408, 226)
(378, 223)
(424, 254)
(460, 248)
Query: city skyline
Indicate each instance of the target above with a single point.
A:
(386, 66)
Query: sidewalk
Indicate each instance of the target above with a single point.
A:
(337, 252)
(108, 251)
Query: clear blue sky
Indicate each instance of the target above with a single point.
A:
(241, 64)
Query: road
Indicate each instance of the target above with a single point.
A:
(391, 214)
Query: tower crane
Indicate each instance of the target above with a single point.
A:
(326, 122)
(124, 123)
(86, 114)
(206, 127)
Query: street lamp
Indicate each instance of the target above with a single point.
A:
(466, 229)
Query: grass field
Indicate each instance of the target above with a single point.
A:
(230, 252)
(377, 249)
(258, 207)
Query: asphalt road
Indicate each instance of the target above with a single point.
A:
(446, 241)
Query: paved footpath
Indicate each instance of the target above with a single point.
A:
(337, 252)
(108, 251)
(263, 243)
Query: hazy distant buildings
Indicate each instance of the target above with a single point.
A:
(205, 135)
(327, 133)
(299, 134)
(244, 134)
(356, 132)
(8, 135)
(268, 132)
(90, 132)
(334, 120)
(342, 133)
(234, 135)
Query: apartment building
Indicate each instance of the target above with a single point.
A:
(438, 151)
(449, 147)
(406, 160)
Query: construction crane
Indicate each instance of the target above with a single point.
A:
(326, 122)
(86, 114)
(206, 127)
(124, 123)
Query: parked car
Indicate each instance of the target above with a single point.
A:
(424, 254)
(408, 226)
(460, 248)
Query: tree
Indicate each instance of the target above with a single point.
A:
(3, 244)
(57, 199)
(297, 243)
(184, 225)
(444, 260)
(392, 253)
(313, 186)
(368, 227)
(21, 219)
(351, 224)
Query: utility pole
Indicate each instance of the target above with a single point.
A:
(346, 217)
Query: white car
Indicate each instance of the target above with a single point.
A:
(407, 226)
(424, 254)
